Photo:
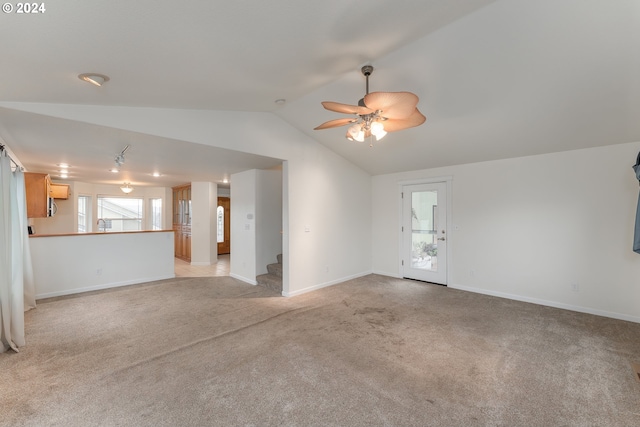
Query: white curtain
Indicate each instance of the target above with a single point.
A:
(17, 288)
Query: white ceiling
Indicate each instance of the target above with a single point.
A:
(496, 79)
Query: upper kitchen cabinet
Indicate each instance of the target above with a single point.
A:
(59, 191)
(38, 188)
(41, 193)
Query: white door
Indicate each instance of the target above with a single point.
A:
(424, 232)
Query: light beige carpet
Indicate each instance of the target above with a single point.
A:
(374, 351)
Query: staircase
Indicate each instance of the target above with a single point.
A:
(273, 279)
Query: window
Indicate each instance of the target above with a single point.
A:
(84, 214)
(156, 214)
(120, 213)
(220, 221)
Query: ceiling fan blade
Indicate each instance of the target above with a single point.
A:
(335, 123)
(346, 108)
(415, 119)
(394, 105)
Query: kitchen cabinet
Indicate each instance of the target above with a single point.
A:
(38, 189)
(182, 221)
(59, 191)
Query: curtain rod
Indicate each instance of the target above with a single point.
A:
(3, 150)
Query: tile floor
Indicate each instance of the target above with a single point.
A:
(185, 269)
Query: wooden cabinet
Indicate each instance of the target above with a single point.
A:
(182, 221)
(59, 191)
(38, 189)
(40, 194)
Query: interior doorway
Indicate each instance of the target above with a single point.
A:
(223, 221)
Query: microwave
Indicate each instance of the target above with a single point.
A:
(52, 208)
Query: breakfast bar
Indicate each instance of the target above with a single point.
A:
(79, 262)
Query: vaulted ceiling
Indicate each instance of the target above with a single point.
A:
(496, 79)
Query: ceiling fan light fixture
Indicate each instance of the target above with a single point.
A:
(94, 78)
(377, 130)
(126, 188)
(376, 113)
(355, 133)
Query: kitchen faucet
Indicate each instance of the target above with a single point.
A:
(104, 225)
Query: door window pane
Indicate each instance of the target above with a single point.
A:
(220, 221)
(424, 223)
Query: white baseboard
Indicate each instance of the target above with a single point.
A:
(386, 273)
(547, 303)
(243, 279)
(325, 284)
(102, 286)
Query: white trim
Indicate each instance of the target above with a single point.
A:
(243, 279)
(388, 274)
(548, 303)
(444, 178)
(325, 284)
(103, 286)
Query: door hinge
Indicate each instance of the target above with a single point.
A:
(402, 229)
(402, 262)
(402, 195)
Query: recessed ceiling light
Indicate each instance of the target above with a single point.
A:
(280, 101)
(64, 176)
(94, 78)
(114, 170)
(225, 181)
(63, 165)
(156, 174)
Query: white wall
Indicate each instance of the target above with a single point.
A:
(70, 264)
(324, 193)
(243, 226)
(532, 228)
(268, 218)
(204, 201)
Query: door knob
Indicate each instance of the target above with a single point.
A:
(440, 238)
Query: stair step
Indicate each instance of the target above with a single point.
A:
(279, 258)
(270, 281)
(275, 269)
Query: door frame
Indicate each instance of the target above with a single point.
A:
(448, 181)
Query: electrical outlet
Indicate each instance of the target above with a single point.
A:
(99, 272)
(575, 287)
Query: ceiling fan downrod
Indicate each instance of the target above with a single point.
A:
(366, 71)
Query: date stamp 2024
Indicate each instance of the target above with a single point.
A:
(24, 8)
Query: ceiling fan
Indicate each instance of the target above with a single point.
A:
(376, 114)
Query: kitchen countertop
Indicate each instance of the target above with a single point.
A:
(98, 233)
